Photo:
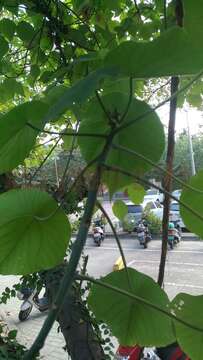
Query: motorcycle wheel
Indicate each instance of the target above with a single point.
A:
(171, 245)
(23, 314)
(145, 245)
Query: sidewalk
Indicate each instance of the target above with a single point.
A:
(28, 330)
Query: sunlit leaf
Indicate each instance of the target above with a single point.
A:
(34, 232)
(129, 320)
(188, 308)
(17, 138)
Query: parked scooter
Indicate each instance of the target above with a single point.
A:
(174, 234)
(143, 233)
(30, 298)
(98, 232)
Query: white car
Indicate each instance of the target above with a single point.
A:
(154, 206)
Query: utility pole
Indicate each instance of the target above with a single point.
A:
(191, 152)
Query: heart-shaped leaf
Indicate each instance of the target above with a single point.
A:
(144, 135)
(131, 321)
(34, 232)
(189, 309)
(136, 193)
(17, 138)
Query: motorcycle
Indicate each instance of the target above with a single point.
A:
(98, 232)
(31, 298)
(143, 233)
(174, 234)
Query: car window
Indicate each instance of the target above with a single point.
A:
(152, 192)
(174, 207)
(134, 209)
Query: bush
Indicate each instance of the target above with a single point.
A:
(154, 223)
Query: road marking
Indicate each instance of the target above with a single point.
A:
(174, 251)
(184, 285)
(167, 263)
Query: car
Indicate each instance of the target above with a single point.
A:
(177, 193)
(153, 195)
(155, 207)
(174, 214)
(134, 215)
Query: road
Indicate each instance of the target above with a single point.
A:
(184, 273)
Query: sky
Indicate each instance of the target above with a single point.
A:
(195, 118)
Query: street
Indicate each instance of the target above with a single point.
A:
(184, 273)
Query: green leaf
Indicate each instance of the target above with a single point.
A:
(9, 88)
(79, 92)
(169, 54)
(7, 28)
(131, 321)
(189, 308)
(120, 209)
(194, 199)
(17, 138)
(68, 140)
(25, 31)
(3, 47)
(34, 232)
(136, 193)
(12, 334)
(146, 136)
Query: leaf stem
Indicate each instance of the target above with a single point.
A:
(117, 240)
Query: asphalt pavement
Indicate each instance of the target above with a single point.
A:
(184, 273)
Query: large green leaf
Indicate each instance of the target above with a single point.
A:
(120, 209)
(34, 232)
(79, 92)
(146, 136)
(194, 199)
(189, 309)
(17, 138)
(25, 32)
(169, 54)
(133, 322)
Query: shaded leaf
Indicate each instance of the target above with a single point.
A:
(34, 232)
(129, 320)
(25, 31)
(189, 308)
(3, 47)
(7, 28)
(146, 136)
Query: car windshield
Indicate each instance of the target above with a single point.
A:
(134, 209)
(152, 192)
(174, 207)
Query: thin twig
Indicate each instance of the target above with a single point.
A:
(117, 240)
(62, 133)
(148, 112)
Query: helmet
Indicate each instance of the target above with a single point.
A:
(171, 225)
